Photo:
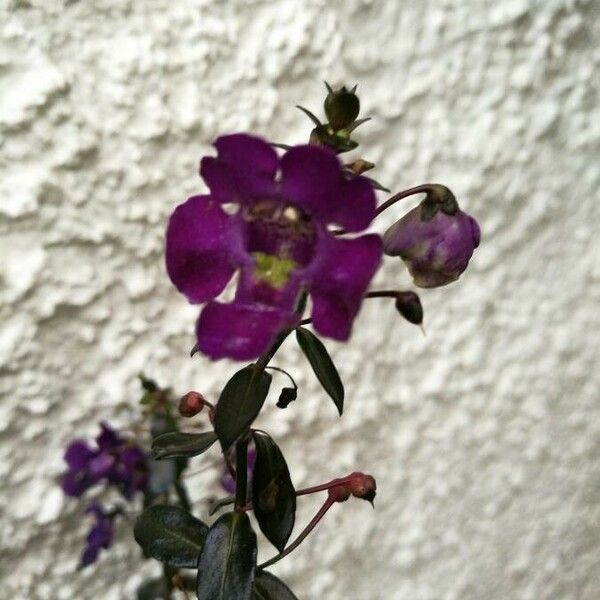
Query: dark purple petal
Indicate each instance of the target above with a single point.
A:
(78, 454)
(108, 438)
(239, 331)
(200, 248)
(99, 536)
(340, 282)
(356, 204)
(101, 466)
(75, 484)
(244, 169)
(312, 177)
(89, 555)
(308, 173)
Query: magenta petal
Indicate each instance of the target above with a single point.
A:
(356, 204)
(312, 177)
(308, 173)
(200, 240)
(244, 168)
(339, 284)
(239, 331)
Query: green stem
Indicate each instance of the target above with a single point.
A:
(241, 473)
(182, 495)
(168, 573)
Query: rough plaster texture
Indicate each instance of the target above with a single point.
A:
(484, 435)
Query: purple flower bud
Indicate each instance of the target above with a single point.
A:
(435, 247)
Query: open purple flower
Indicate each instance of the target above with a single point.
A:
(278, 239)
(100, 535)
(437, 248)
(113, 459)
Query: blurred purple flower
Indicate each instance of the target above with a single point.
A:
(436, 250)
(113, 459)
(100, 535)
(279, 240)
(228, 482)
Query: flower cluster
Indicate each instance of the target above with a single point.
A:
(278, 236)
(112, 459)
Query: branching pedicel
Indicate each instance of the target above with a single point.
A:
(292, 228)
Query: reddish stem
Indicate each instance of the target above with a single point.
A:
(320, 514)
(324, 486)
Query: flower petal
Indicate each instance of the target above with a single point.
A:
(312, 177)
(78, 454)
(239, 331)
(108, 438)
(200, 252)
(340, 282)
(244, 168)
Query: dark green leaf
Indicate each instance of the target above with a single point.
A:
(273, 494)
(239, 403)
(177, 444)
(171, 535)
(228, 559)
(269, 587)
(322, 365)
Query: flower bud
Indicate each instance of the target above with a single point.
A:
(288, 394)
(339, 493)
(191, 404)
(408, 304)
(435, 240)
(341, 108)
(362, 486)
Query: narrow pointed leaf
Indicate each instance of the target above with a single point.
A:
(310, 115)
(269, 587)
(322, 365)
(228, 560)
(239, 403)
(185, 445)
(171, 535)
(273, 494)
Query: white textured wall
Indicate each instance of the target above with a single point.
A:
(484, 435)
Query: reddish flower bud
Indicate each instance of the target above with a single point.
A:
(191, 404)
(435, 239)
(362, 486)
(339, 493)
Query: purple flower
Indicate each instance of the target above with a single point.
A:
(436, 249)
(100, 535)
(228, 482)
(114, 459)
(278, 238)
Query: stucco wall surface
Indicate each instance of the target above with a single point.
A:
(484, 434)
